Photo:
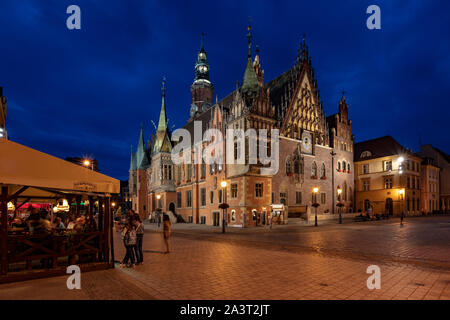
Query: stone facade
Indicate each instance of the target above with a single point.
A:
(314, 151)
(442, 161)
(387, 177)
(429, 186)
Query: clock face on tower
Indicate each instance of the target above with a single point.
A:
(194, 109)
(307, 142)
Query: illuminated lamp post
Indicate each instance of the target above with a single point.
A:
(340, 204)
(224, 205)
(315, 204)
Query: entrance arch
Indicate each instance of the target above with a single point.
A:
(172, 208)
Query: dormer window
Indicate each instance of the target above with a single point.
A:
(366, 154)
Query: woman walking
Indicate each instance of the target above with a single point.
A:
(129, 239)
(139, 239)
(167, 225)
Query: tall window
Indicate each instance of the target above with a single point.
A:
(296, 167)
(234, 190)
(189, 172)
(178, 199)
(258, 190)
(189, 198)
(203, 170)
(220, 195)
(388, 183)
(348, 167)
(366, 168)
(298, 197)
(366, 185)
(203, 196)
(211, 197)
(322, 171)
(288, 165)
(323, 198)
(344, 166)
(388, 165)
(314, 169)
(338, 165)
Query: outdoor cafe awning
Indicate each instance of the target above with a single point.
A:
(48, 176)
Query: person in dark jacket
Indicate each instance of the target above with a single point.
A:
(139, 225)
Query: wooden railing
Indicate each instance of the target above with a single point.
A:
(48, 248)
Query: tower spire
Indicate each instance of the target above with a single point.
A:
(202, 48)
(250, 81)
(162, 142)
(249, 38)
(162, 125)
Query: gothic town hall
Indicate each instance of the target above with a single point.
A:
(315, 152)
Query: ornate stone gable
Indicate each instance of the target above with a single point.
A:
(304, 112)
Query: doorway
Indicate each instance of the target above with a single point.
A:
(389, 206)
(172, 208)
(216, 218)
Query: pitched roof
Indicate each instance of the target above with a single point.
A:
(283, 87)
(142, 161)
(443, 154)
(133, 165)
(378, 148)
(163, 141)
(250, 82)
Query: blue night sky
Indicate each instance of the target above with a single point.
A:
(75, 93)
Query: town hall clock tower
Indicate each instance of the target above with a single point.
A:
(202, 89)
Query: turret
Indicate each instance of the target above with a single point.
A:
(202, 89)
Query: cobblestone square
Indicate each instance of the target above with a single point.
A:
(287, 262)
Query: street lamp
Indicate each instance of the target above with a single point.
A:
(340, 204)
(88, 163)
(315, 204)
(158, 197)
(223, 205)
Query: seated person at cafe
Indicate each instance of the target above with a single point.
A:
(70, 223)
(58, 224)
(18, 223)
(79, 224)
(90, 225)
(37, 223)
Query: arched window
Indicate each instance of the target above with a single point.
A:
(288, 166)
(338, 165)
(344, 166)
(314, 169)
(322, 171)
(348, 167)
